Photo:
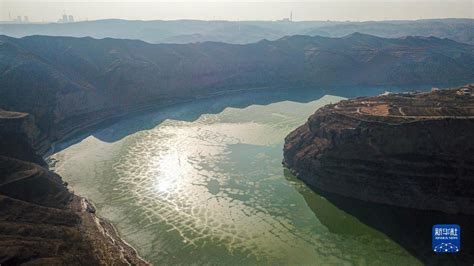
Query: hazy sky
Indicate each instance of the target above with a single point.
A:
(356, 10)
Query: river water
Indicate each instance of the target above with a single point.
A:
(203, 183)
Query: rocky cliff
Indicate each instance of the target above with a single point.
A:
(67, 83)
(41, 222)
(408, 150)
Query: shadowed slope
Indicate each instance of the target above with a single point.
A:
(70, 83)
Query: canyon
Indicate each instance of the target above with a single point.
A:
(55, 87)
(68, 84)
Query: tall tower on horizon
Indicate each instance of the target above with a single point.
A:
(291, 15)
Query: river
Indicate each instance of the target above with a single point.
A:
(202, 182)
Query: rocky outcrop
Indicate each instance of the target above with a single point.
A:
(19, 136)
(408, 150)
(41, 221)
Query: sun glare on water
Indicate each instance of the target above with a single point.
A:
(214, 190)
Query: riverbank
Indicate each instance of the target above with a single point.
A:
(22, 131)
(42, 222)
(77, 126)
(24, 141)
(200, 183)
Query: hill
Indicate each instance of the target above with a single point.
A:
(67, 83)
(242, 32)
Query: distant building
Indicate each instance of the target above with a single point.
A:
(25, 19)
(18, 19)
(66, 18)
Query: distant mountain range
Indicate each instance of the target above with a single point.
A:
(241, 32)
(67, 83)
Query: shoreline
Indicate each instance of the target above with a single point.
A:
(112, 118)
(102, 226)
(44, 145)
(129, 112)
(100, 221)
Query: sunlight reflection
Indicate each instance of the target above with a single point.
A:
(212, 190)
(170, 172)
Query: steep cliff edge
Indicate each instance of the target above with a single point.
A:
(41, 222)
(408, 150)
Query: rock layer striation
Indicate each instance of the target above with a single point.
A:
(408, 150)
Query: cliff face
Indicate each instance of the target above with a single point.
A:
(406, 150)
(20, 137)
(41, 222)
(69, 83)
